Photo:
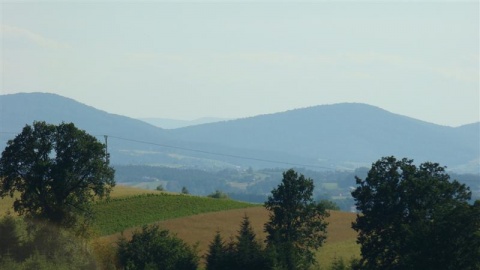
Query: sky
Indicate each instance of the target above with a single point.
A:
(228, 59)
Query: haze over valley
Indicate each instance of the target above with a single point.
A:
(240, 134)
(330, 143)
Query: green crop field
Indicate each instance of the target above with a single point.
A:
(121, 213)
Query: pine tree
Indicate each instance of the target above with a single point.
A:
(216, 253)
(248, 251)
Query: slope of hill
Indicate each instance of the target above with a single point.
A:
(173, 123)
(18, 110)
(340, 136)
(343, 133)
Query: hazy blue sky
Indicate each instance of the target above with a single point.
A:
(196, 59)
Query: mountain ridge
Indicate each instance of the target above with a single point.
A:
(168, 123)
(344, 135)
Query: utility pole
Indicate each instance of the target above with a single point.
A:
(107, 159)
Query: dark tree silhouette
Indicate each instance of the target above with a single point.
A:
(57, 171)
(415, 218)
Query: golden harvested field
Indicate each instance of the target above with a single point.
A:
(118, 191)
(125, 191)
(202, 228)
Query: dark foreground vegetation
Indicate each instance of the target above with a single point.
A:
(410, 217)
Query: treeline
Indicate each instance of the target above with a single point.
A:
(253, 186)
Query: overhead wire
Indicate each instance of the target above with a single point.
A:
(206, 152)
(221, 154)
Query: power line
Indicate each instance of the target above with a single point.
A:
(220, 154)
(203, 151)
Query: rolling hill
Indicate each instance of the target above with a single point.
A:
(173, 123)
(124, 133)
(339, 136)
(344, 135)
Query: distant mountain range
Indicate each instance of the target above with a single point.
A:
(173, 123)
(340, 136)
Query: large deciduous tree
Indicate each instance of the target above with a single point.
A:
(415, 218)
(55, 172)
(296, 225)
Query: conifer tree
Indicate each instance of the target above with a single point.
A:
(217, 251)
(248, 251)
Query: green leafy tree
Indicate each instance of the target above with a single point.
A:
(329, 205)
(153, 248)
(415, 218)
(57, 171)
(160, 188)
(296, 225)
(218, 195)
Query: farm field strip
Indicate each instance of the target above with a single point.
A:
(122, 213)
(201, 228)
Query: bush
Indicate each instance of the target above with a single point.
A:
(218, 195)
(329, 205)
(153, 248)
(41, 245)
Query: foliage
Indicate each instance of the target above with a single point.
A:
(57, 171)
(185, 190)
(40, 245)
(338, 264)
(329, 205)
(118, 214)
(249, 253)
(105, 253)
(217, 252)
(218, 195)
(296, 223)
(243, 253)
(160, 188)
(153, 248)
(10, 238)
(415, 218)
